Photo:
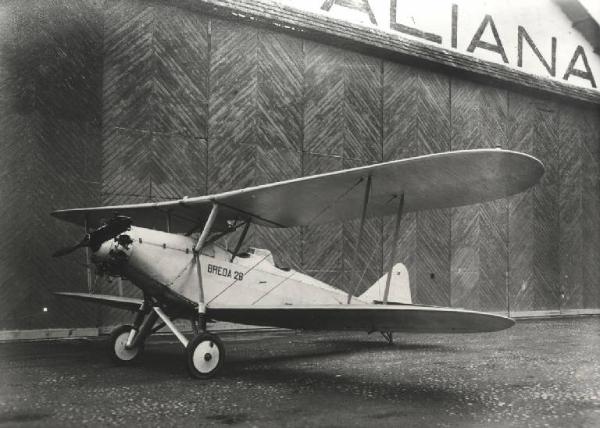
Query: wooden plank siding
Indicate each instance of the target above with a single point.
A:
(571, 136)
(279, 131)
(416, 122)
(591, 210)
(151, 101)
(479, 232)
(534, 215)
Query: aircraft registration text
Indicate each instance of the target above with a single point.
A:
(226, 272)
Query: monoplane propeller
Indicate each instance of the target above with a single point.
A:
(111, 229)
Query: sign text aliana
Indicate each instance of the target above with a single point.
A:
(485, 41)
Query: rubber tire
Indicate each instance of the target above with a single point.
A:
(114, 336)
(191, 348)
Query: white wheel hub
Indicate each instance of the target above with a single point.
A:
(206, 356)
(121, 352)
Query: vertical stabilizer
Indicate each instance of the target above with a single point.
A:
(399, 287)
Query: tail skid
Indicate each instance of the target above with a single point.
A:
(399, 287)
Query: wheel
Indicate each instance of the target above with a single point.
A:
(205, 356)
(119, 353)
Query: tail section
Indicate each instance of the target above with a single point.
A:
(399, 287)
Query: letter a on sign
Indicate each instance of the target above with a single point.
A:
(587, 74)
(361, 5)
(478, 43)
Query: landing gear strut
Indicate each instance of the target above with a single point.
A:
(205, 353)
(127, 342)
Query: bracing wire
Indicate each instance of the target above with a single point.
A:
(360, 280)
(273, 288)
(312, 221)
(335, 201)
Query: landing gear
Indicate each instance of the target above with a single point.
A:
(205, 355)
(120, 352)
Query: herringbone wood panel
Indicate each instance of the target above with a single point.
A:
(322, 246)
(416, 121)
(479, 233)
(534, 229)
(324, 123)
(433, 226)
(128, 66)
(362, 144)
(155, 93)
(148, 166)
(279, 99)
(591, 209)
(521, 244)
(571, 136)
(233, 106)
(546, 266)
(279, 123)
(362, 108)
(579, 207)
(433, 257)
(465, 262)
(180, 75)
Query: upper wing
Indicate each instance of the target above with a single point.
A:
(432, 181)
(397, 318)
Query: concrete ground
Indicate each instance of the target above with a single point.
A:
(538, 373)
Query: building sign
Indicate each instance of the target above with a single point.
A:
(534, 36)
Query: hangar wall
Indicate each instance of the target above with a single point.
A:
(107, 101)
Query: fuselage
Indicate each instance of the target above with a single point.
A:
(162, 264)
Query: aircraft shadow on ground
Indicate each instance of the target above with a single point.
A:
(241, 357)
(268, 369)
(325, 349)
(318, 381)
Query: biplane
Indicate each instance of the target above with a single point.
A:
(171, 251)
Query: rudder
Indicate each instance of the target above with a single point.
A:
(399, 287)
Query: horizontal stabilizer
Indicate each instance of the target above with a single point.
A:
(119, 302)
(402, 318)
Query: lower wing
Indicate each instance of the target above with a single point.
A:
(128, 303)
(397, 318)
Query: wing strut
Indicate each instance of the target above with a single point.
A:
(394, 244)
(362, 227)
(197, 249)
(88, 259)
(241, 240)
